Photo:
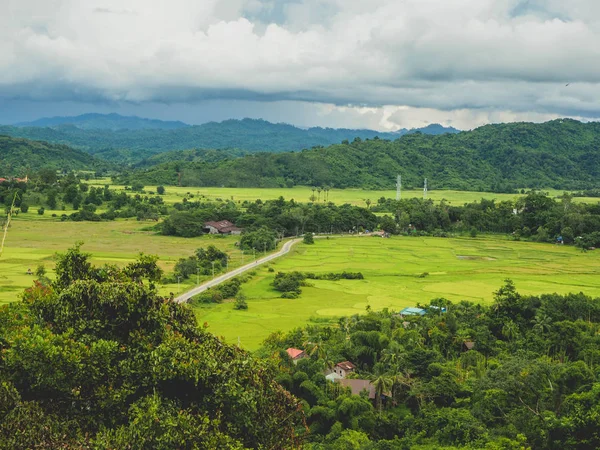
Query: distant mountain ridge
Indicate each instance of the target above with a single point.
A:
(118, 143)
(113, 121)
(561, 154)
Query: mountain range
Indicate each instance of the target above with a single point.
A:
(131, 140)
(561, 154)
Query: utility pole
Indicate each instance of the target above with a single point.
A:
(265, 247)
(398, 187)
(425, 189)
(242, 257)
(178, 288)
(213, 267)
(198, 275)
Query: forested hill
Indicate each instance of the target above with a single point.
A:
(135, 145)
(561, 154)
(21, 156)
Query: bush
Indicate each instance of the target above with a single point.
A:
(289, 283)
(308, 238)
(24, 207)
(240, 302)
(41, 211)
(160, 190)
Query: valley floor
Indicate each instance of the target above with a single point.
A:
(399, 272)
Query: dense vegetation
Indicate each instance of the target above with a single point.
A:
(522, 373)
(19, 157)
(135, 145)
(535, 216)
(47, 190)
(97, 359)
(562, 154)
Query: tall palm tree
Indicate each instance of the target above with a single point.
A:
(542, 323)
(383, 385)
(510, 330)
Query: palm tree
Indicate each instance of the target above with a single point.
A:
(319, 190)
(541, 323)
(383, 384)
(510, 330)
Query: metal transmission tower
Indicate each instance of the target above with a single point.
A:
(398, 187)
(425, 189)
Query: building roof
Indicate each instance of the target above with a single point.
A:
(412, 312)
(346, 365)
(222, 226)
(295, 353)
(357, 386)
(469, 345)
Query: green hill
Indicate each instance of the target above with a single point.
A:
(561, 154)
(21, 156)
(134, 145)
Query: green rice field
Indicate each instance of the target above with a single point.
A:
(34, 240)
(176, 194)
(399, 272)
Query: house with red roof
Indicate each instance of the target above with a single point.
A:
(296, 354)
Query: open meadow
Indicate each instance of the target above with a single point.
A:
(174, 194)
(399, 272)
(33, 240)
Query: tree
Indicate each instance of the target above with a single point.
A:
(24, 207)
(383, 386)
(261, 239)
(160, 190)
(308, 238)
(240, 302)
(100, 360)
(41, 211)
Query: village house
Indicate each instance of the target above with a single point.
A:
(296, 354)
(344, 368)
(221, 227)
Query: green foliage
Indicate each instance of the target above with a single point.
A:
(160, 190)
(308, 238)
(289, 283)
(21, 156)
(261, 239)
(240, 302)
(99, 360)
(529, 381)
(498, 158)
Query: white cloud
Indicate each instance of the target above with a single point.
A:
(461, 61)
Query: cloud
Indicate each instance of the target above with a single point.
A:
(457, 60)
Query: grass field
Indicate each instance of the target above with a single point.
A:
(470, 269)
(32, 241)
(175, 194)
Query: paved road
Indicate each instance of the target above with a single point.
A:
(226, 276)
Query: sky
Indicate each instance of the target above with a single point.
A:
(378, 64)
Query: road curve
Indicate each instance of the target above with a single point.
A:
(226, 276)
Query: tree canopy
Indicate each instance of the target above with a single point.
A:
(98, 359)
